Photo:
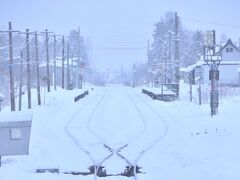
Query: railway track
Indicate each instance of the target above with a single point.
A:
(131, 167)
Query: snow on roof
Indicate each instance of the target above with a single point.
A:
(230, 62)
(59, 63)
(190, 68)
(15, 116)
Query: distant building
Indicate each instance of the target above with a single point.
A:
(229, 67)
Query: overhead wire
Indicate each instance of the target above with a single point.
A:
(212, 23)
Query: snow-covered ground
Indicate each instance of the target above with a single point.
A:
(173, 141)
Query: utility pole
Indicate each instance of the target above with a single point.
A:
(37, 65)
(72, 68)
(27, 33)
(28, 68)
(68, 72)
(170, 56)
(176, 56)
(54, 57)
(54, 54)
(134, 75)
(79, 75)
(149, 66)
(63, 59)
(12, 94)
(20, 85)
(10, 68)
(47, 59)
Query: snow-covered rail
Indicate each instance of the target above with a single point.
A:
(95, 106)
(97, 165)
(159, 137)
(75, 139)
(133, 164)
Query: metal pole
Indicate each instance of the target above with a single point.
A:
(28, 68)
(12, 96)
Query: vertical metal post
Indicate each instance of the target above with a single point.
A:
(37, 65)
(12, 96)
(0, 161)
(214, 91)
(47, 59)
(213, 61)
(28, 68)
(63, 58)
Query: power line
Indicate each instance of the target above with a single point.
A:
(212, 23)
(119, 48)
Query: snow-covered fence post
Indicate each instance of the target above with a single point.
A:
(2, 97)
(200, 95)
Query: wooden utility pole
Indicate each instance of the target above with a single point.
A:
(149, 66)
(72, 65)
(12, 96)
(54, 57)
(68, 72)
(134, 75)
(170, 56)
(47, 59)
(177, 60)
(20, 85)
(37, 66)
(28, 68)
(63, 59)
(79, 75)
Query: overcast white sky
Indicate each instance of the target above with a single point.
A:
(114, 24)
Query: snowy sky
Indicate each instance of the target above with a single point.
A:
(118, 30)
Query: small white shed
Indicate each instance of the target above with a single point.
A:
(15, 129)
